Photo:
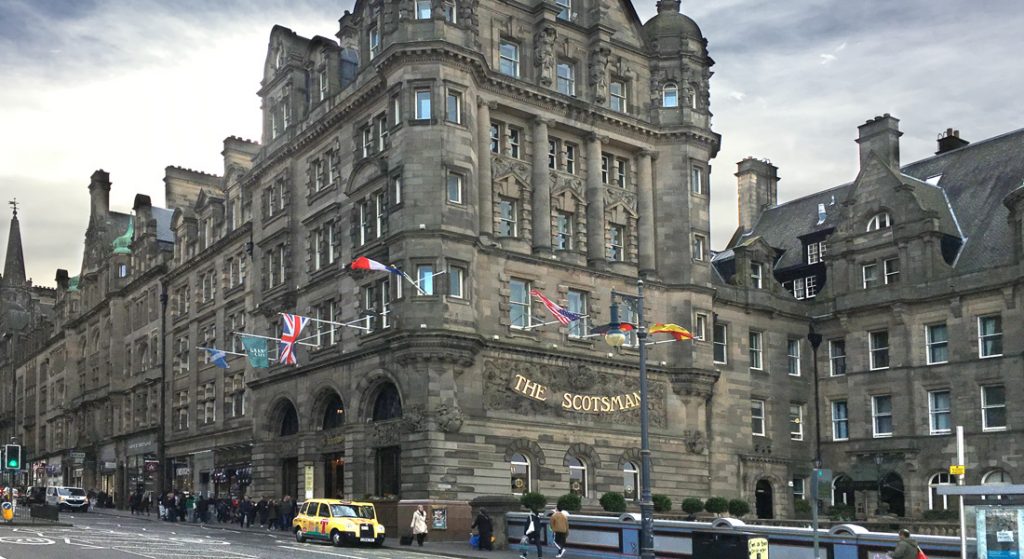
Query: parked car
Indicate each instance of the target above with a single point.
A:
(68, 498)
(340, 522)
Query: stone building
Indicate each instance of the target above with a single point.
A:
(487, 150)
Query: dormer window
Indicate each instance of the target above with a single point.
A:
(423, 9)
(617, 96)
(279, 58)
(670, 96)
(374, 42)
(880, 220)
(450, 11)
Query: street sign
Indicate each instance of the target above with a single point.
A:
(77, 456)
(757, 548)
(957, 470)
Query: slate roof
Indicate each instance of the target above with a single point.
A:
(974, 181)
(163, 224)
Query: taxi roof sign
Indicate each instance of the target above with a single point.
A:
(757, 548)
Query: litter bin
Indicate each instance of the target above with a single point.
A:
(729, 545)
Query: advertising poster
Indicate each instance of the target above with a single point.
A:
(999, 530)
(440, 518)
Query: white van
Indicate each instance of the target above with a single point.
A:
(68, 498)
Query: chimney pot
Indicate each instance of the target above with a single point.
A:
(950, 141)
(880, 136)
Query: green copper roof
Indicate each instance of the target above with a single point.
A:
(73, 284)
(123, 244)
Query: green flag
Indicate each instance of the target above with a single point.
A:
(256, 351)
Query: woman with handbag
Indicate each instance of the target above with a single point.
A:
(534, 529)
(419, 524)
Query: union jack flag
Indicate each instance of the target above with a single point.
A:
(562, 315)
(293, 325)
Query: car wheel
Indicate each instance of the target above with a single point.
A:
(336, 538)
(379, 542)
(298, 535)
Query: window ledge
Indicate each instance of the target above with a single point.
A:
(993, 429)
(990, 356)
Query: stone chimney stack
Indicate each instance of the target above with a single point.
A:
(99, 193)
(880, 135)
(757, 182)
(950, 140)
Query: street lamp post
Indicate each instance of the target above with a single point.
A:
(616, 337)
(815, 339)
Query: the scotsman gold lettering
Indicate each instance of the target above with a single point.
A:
(577, 402)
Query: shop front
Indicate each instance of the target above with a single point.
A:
(232, 472)
(141, 465)
(202, 470)
(53, 471)
(106, 472)
(181, 470)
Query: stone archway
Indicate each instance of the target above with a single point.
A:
(764, 499)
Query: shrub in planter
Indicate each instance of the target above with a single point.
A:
(534, 501)
(613, 502)
(716, 505)
(941, 515)
(661, 503)
(802, 508)
(692, 505)
(738, 508)
(570, 502)
(841, 512)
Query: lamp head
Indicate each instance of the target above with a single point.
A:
(615, 337)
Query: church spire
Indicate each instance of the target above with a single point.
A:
(14, 264)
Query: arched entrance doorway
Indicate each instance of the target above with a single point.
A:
(764, 503)
(842, 491)
(387, 406)
(331, 422)
(286, 424)
(891, 494)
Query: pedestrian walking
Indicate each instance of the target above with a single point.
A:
(906, 548)
(261, 511)
(485, 527)
(560, 527)
(272, 518)
(534, 528)
(245, 510)
(147, 502)
(419, 524)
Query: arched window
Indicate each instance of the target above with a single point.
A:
(520, 466)
(936, 501)
(289, 421)
(577, 476)
(334, 413)
(996, 477)
(670, 96)
(630, 481)
(878, 221)
(842, 491)
(388, 405)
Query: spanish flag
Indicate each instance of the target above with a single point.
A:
(677, 331)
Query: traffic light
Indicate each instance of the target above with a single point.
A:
(12, 457)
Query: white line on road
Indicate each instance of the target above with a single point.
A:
(318, 551)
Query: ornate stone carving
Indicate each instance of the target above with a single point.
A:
(544, 58)
(502, 166)
(622, 196)
(386, 433)
(599, 73)
(412, 419)
(449, 418)
(695, 441)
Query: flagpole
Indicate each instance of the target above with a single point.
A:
(279, 340)
(226, 352)
(350, 324)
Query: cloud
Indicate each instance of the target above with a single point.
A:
(135, 86)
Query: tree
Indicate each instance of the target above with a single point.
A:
(613, 502)
(716, 505)
(738, 508)
(534, 501)
(692, 505)
(661, 503)
(570, 502)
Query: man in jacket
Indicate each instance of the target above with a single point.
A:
(906, 548)
(560, 527)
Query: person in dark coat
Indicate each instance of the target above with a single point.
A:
(245, 510)
(534, 529)
(272, 521)
(261, 511)
(906, 548)
(485, 527)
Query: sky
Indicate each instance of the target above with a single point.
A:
(132, 86)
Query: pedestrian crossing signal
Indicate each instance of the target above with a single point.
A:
(12, 457)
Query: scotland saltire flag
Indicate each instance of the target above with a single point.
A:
(293, 325)
(217, 357)
(562, 315)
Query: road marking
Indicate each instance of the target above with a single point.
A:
(320, 552)
(23, 540)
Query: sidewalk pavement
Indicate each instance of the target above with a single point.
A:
(454, 549)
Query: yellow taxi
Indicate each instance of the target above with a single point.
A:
(337, 521)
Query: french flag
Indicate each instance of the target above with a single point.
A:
(364, 263)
